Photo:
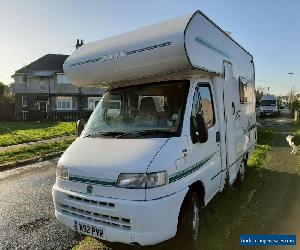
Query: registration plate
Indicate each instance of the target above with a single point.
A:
(89, 230)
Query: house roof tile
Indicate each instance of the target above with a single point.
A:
(49, 62)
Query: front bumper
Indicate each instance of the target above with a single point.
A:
(143, 222)
(268, 112)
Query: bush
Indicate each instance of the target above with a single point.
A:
(295, 105)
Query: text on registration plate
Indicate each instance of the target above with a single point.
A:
(89, 229)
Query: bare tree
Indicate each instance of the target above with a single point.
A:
(259, 92)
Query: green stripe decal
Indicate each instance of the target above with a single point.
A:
(190, 170)
(172, 178)
(93, 181)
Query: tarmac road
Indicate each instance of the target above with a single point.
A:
(27, 218)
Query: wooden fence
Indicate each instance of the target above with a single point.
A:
(7, 112)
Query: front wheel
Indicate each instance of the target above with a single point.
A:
(189, 223)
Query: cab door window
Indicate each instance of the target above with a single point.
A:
(203, 104)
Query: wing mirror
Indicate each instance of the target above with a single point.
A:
(199, 129)
(79, 127)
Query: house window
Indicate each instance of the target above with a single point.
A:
(24, 101)
(62, 79)
(21, 79)
(43, 85)
(243, 90)
(92, 102)
(64, 103)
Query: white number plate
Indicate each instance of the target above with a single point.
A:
(89, 230)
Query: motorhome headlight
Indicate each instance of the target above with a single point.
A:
(62, 172)
(157, 179)
(132, 180)
(140, 181)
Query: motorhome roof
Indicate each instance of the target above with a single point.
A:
(181, 44)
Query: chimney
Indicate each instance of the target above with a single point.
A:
(78, 43)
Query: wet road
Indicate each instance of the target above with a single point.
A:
(27, 218)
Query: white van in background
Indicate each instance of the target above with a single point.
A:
(269, 106)
(185, 127)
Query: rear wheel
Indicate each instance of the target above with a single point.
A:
(189, 223)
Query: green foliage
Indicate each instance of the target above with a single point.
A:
(297, 136)
(12, 133)
(295, 105)
(9, 99)
(34, 151)
(5, 98)
(90, 243)
(2, 88)
(264, 135)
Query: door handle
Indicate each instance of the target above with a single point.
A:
(218, 136)
(233, 106)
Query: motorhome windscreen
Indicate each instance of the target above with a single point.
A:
(154, 110)
(268, 103)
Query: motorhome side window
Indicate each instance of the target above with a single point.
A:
(243, 89)
(203, 104)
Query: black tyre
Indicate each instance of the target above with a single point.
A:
(188, 229)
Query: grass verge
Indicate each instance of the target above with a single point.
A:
(225, 211)
(297, 135)
(12, 133)
(90, 243)
(35, 151)
(229, 208)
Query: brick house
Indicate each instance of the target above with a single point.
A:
(41, 89)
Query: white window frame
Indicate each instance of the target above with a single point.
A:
(44, 84)
(24, 103)
(92, 100)
(64, 103)
(20, 78)
(62, 79)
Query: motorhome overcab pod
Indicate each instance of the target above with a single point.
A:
(176, 124)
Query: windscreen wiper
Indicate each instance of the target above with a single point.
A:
(145, 132)
(99, 134)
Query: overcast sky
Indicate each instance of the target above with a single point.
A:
(268, 29)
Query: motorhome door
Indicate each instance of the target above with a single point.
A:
(229, 116)
(205, 157)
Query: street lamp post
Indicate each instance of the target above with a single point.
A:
(292, 79)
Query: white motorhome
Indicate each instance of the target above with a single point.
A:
(185, 129)
(269, 106)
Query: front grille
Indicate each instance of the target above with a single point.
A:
(100, 219)
(92, 202)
